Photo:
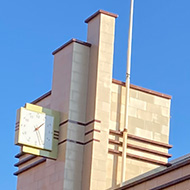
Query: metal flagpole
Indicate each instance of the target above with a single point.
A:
(127, 94)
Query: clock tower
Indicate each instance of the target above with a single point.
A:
(76, 143)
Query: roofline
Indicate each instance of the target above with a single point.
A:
(98, 12)
(174, 166)
(132, 86)
(69, 42)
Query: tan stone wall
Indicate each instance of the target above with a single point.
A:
(47, 175)
(77, 113)
(149, 117)
(101, 36)
(91, 106)
(69, 95)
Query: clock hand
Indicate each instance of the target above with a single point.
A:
(38, 134)
(39, 137)
(38, 127)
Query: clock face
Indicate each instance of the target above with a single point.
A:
(36, 129)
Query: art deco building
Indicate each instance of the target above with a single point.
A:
(91, 104)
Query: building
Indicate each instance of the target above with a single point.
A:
(174, 177)
(92, 106)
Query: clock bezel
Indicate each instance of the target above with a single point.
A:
(35, 150)
(33, 137)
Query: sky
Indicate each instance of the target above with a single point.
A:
(31, 30)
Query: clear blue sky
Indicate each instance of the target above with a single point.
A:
(31, 30)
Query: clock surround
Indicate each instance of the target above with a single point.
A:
(37, 130)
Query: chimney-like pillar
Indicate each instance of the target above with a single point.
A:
(69, 95)
(101, 28)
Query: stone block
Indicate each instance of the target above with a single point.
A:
(144, 133)
(154, 108)
(144, 115)
(136, 103)
(159, 119)
(132, 111)
(134, 94)
(162, 101)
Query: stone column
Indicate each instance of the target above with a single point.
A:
(101, 27)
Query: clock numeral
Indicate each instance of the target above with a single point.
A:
(28, 139)
(31, 116)
(49, 125)
(47, 139)
(26, 119)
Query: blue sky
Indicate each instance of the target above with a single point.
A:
(31, 30)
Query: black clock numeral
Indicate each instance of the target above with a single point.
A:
(26, 119)
(31, 116)
(28, 139)
(23, 125)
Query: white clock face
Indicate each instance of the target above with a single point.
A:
(36, 129)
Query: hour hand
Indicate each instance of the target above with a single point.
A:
(38, 127)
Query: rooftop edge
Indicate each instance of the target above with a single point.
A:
(144, 177)
(98, 12)
(132, 86)
(69, 42)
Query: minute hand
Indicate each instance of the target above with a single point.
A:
(38, 127)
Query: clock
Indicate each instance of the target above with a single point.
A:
(37, 130)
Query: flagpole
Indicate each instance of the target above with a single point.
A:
(125, 131)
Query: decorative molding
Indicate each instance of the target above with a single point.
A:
(149, 150)
(114, 132)
(17, 126)
(139, 158)
(115, 142)
(148, 160)
(78, 142)
(98, 12)
(56, 135)
(112, 151)
(149, 141)
(132, 86)
(19, 155)
(30, 166)
(134, 137)
(62, 142)
(24, 160)
(96, 140)
(69, 42)
(79, 123)
(91, 131)
(131, 146)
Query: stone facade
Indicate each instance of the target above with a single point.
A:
(92, 107)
